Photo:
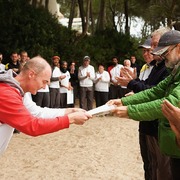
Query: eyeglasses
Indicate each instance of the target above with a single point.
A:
(163, 56)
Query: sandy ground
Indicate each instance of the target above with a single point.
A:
(105, 148)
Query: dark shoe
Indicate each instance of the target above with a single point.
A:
(16, 131)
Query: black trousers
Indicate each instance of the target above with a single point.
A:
(54, 97)
(42, 99)
(145, 154)
(115, 92)
(63, 100)
(101, 98)
(175, 168)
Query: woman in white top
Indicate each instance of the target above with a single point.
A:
(102, 80)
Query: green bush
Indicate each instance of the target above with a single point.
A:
(35, 30)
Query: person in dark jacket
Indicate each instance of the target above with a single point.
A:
(146, 105)
(156, 164)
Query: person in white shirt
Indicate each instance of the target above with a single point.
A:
(86, 75)
(42, 97)
(2, 66)
(101, 81)
(65, 85)
(115, 88)
(127, 65)
(54, 84)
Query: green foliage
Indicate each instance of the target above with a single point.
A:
(24, 27)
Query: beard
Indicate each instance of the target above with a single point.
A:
(171, 64)
(63, 70)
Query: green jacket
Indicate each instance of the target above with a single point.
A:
(147, 106)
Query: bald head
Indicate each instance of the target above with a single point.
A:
(34, 75)
(38, 64)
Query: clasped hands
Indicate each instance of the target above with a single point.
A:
(126, 75)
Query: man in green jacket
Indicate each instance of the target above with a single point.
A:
(146, 105)
(172, 113)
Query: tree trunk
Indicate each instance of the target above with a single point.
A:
(34, 3)
(81, 9)
(46, 4)
(72, 11)
(92, 19)
(113, 11)
(126, 13)
(87, 16)
(101, 18)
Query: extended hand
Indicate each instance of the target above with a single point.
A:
(121, 112)
(79, 117)
(116, 102)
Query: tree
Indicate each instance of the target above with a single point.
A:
(101, 21)
(72, 12)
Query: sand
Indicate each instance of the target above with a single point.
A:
(105, 148)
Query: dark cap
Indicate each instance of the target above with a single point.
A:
(147, 43)
(86, 58)
(167, 39)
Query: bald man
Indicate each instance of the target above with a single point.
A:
(35, 74)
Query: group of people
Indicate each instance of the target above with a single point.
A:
(150, 96)
(84, 82)
(157, 105)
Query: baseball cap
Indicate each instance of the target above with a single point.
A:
(146, 44)
(55, 57)
(86, 58)
(167, 39)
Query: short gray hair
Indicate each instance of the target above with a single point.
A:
(160, 31)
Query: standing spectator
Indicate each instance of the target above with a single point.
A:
(42, 97)
(127, 65)
(74, 81)
(54, 84)
(115, 88)
(65, 85)
(86, 75)
(23, 58)
(102, 80)
(135, 65)
(14, 63)
(2, 66)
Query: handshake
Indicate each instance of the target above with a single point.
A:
(79, 116)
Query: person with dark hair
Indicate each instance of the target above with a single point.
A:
(54, 84)
(2, 66)
(74, 81)
(65, 85)
(14, 63)
(114, 71)
(101, 81)
(135, 65)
